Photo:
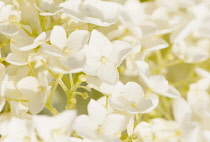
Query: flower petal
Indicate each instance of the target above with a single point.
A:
(96, 112)
(28, 86)
(78, 39)
(114, 123)
(75, 63)
(108, 73)
(85, 127)
(58, 37)
(133, 92)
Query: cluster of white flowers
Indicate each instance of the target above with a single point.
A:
(104, 70)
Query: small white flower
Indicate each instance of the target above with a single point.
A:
(37, 92)
(66, 53)
(192, 51)
(17, 129)
(101, 13)
(48, 8)
(103, 57)
(98, 125)
(56, 128)
(142, 132)
(131, 99)
(157, 83)
(8, 18)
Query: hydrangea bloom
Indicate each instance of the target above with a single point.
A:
(104, 71)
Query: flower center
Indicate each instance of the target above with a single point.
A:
(12, 18)
(100, 129)
(27, 139)
(133, 105)
(66, 50)
(103, 60)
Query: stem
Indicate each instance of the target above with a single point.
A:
(18, 100)
(31, 67)
(71, 100)
(24, 29)
(44, 21)
(52, 73)
(49, 101)
(71, 80)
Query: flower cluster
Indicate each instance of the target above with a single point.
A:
(104, 71)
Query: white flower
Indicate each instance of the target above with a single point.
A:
(8, 18)
(131, 99)
(48, 8)
(157, 83)
(56, 128)
(182, 114)
(17, 129)
(101, 13)
(192, 51)
(103, 57)
(66, 53)
(142, 132)
(199, 99)
(165, 130)
(98, 125)
(37, 92)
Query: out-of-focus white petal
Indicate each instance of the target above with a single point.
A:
(181, 110)
(96, 112)
(130, 126)
(85, 127)
(114, 123)
(2, 103)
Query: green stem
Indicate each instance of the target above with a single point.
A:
(24, 29)
(71, 100)
(18, 100)
(50, 99)
(44, 21)
(31, 67)
(71, 80)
